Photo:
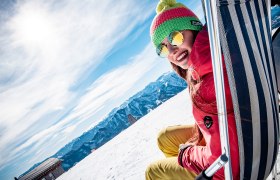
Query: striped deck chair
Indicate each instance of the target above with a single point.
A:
(246, 43)
(276, 51)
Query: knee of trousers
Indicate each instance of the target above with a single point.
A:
(150, 172)
(161, 138)
(154, 171)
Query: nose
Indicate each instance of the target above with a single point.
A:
(172, 48)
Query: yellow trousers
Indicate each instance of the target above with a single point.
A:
(169, 140)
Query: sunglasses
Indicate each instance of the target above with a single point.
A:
(175, 38)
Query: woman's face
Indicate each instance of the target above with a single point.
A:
(179, 55)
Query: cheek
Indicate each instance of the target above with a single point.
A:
(170, 59)
(187, 45)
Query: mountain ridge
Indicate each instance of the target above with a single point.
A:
(153, 95)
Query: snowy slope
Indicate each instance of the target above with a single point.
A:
(128, 154)
(154, 94)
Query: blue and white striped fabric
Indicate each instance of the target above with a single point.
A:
(276, 50)
(247, 48)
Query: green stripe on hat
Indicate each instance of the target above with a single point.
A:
(177, 24)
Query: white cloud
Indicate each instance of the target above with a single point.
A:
(46, 46)
(115, 87)
(69, 129)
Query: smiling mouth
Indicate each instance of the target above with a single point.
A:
(182, 56)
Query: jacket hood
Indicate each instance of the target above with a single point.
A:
(200, 55)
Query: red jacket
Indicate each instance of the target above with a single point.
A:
(198, 158)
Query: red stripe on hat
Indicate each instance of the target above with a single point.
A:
(171, 14)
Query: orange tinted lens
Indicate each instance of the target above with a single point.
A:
(176, 38)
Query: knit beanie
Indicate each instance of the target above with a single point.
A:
(172, 16)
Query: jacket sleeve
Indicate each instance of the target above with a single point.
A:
(196, 158)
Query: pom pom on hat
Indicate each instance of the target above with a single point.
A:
(172, 16)
(167, 4)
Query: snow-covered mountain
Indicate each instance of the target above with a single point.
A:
(153, 95)
(275, 16)
(130, 152)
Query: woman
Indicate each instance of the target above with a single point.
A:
(177, 34)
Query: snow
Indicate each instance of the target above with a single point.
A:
(128, 154)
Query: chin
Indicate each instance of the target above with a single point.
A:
(184, 66)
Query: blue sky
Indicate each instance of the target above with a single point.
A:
(64, 65)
